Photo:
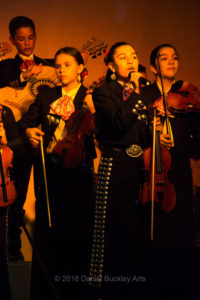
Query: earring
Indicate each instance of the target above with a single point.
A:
(79, 77)
(113, 76)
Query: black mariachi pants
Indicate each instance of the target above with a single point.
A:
(119, 268)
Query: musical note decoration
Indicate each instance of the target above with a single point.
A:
(95, 47)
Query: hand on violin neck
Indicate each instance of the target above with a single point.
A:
(3, 139)
(34, 135)
(165, 141)
(159, 126)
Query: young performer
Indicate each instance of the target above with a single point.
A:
(119, 236)
(15, 74)
(64, 246)
(174, 230)
(23, 36)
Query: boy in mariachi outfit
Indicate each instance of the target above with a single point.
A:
(15, 73)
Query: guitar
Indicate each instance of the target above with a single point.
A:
(19, 99)
(4, 49)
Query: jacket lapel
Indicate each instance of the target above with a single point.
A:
(78, 100)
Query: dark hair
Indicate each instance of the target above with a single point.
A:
(71, 51)
(155, 51)
(109, 56)
(19, 22)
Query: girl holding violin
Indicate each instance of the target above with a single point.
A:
(174, 231)
(66, 125)
(119, 231)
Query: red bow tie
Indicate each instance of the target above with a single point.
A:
(27, 64)
(126, 92)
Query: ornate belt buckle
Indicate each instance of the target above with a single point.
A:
(134, 151)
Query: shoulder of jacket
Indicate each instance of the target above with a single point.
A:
(7, 61)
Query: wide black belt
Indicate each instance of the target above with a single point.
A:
(132, 150)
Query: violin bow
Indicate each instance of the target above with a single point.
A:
(153, 174)
(45, 181)
(154, 150)
(163, 95)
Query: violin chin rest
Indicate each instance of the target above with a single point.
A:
(176, 86)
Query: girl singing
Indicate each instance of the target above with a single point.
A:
(119, 230)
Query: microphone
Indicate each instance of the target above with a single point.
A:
(144, 81)
(141, 80)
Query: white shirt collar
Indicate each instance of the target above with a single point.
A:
(23, 57)
(72, 93)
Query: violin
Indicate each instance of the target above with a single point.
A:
(157, 184)
(157, 164)
(70, 150)
(157, 161)
(184, 97)
(162, 190)
(7, 187)
(157, 187)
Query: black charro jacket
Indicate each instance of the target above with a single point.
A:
(185, 127)
(10, 70)
(117, 125)
(39, 111)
